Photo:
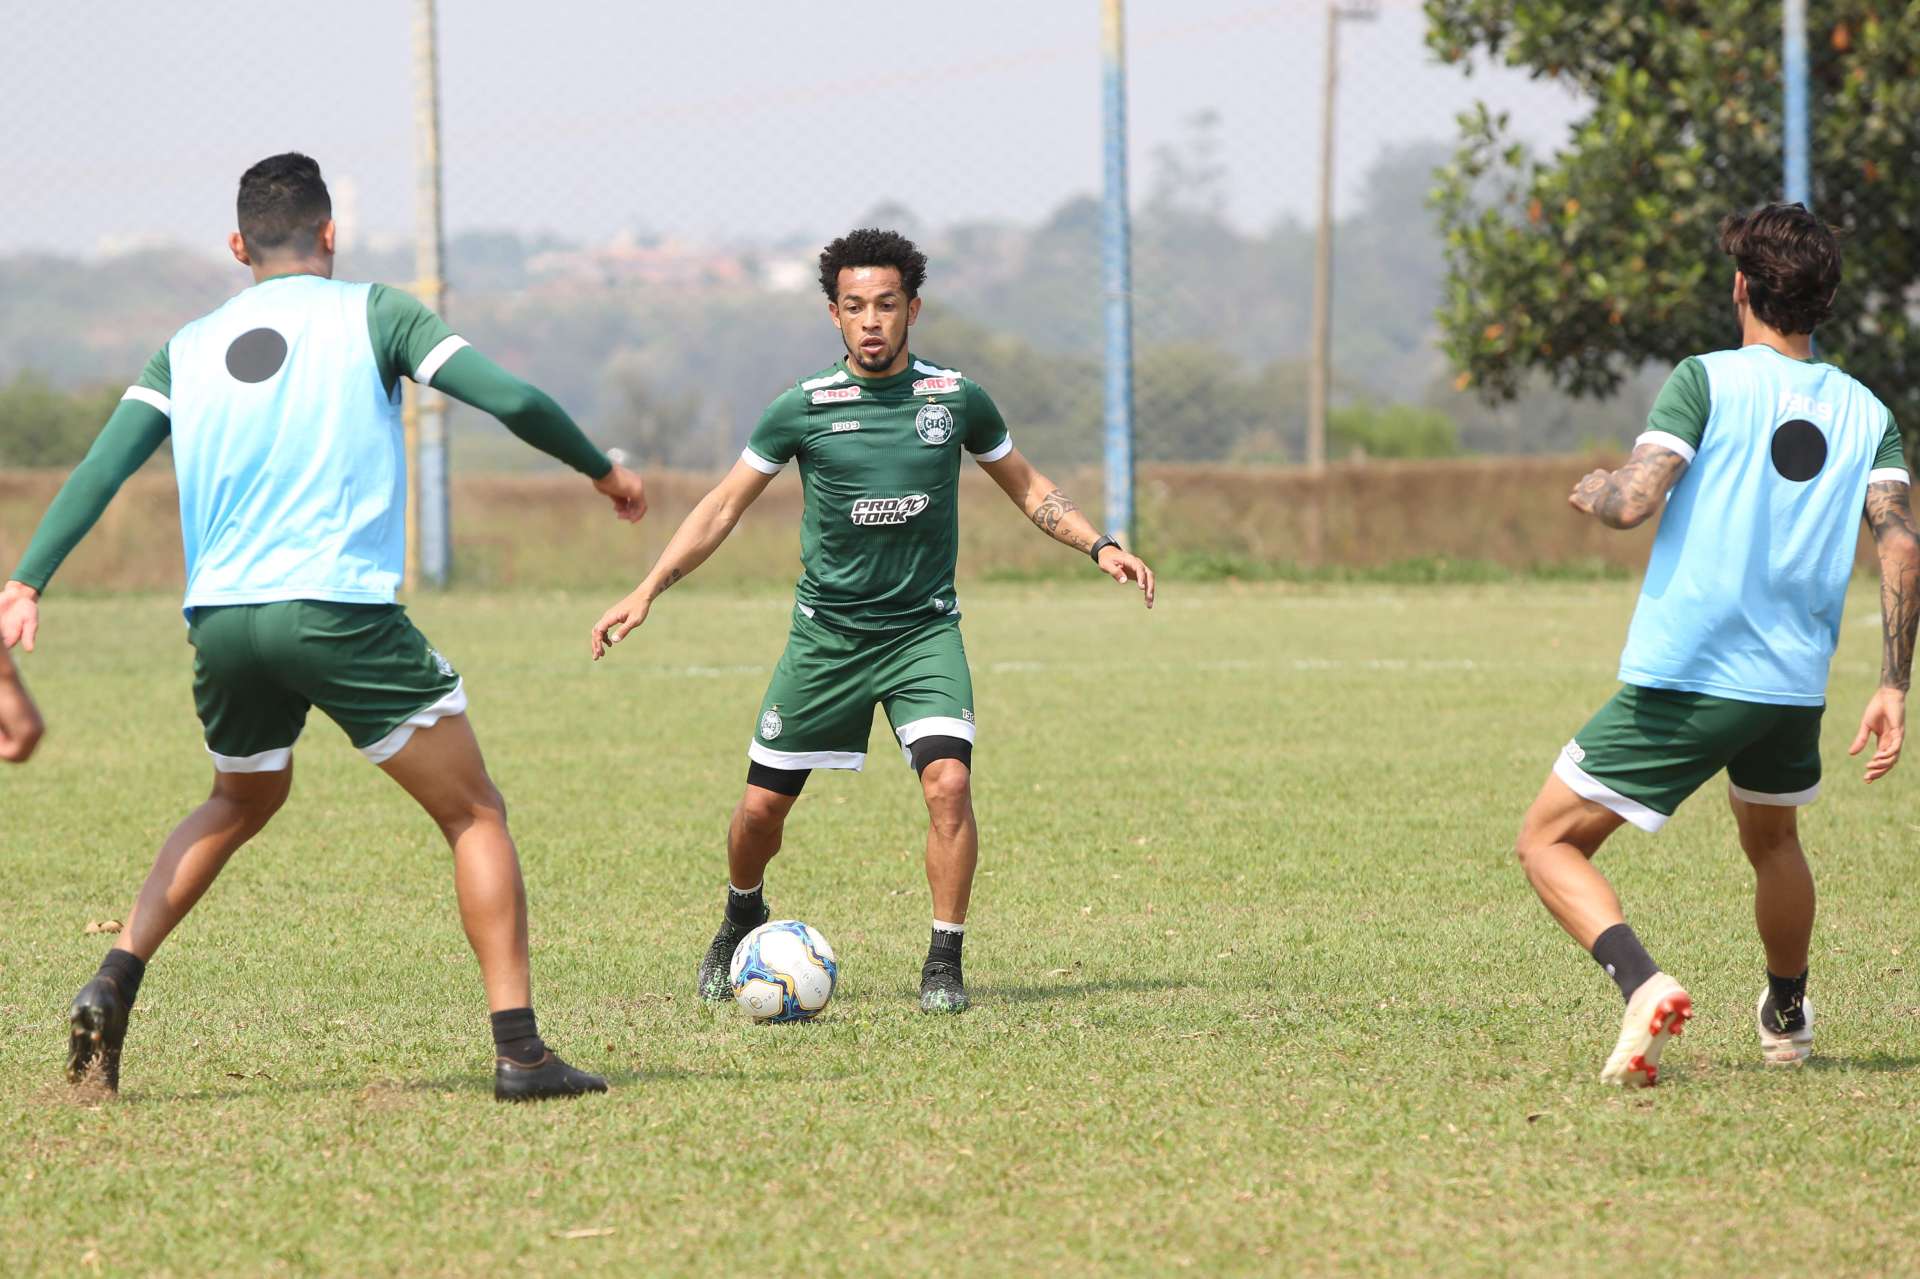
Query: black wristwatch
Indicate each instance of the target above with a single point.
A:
(1102, 545)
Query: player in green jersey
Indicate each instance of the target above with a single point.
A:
(20, 725)
(283, 410)
(878, 438)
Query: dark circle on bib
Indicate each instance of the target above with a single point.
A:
(256, 355)
(1799, 450)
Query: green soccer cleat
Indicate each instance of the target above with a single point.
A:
(941, 989)
(715, 984)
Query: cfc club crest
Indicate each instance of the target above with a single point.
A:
(771, 724)
(933, 424)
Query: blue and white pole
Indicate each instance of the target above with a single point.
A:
(1793, 65)
(1116, 274)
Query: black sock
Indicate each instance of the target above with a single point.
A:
(124, 969)
(1619, 952)
(746, 909)
(1784, 996)
(946, 943)
(516, 1037)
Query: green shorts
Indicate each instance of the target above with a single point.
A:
(1648, 749)
(818, 711)
(258, 667)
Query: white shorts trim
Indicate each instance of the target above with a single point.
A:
(147, 395)
(1889, 474)
(997, 452)
(1791, 799)
(454, 703)
(1672, 443)
(437, 359)
(931, 726)
(273, 761)
(855, 760)
(763, 465)
(1592, 788)
(934, 726)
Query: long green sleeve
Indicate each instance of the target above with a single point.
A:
(129, 438)
(527, 411)
(411, 341)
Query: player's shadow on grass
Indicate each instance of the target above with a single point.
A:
(377, 1091)
(1866, 1063)
(1040, 992)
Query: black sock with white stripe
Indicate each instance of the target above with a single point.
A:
(746, 907)
(946, 944)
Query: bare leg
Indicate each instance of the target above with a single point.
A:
(754, 834)
(441, 767)
(953, 838)
(1783, 897)
(194, 854)
(1558, 838)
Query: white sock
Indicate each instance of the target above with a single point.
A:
(942, 926)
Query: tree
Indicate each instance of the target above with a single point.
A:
(1590, 263)
(42, 426)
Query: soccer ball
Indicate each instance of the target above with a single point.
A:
(783, 971)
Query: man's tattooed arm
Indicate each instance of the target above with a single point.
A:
(1890, 517)
(1626, 497)
(1052, 516)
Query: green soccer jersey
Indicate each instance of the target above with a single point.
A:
(880, 471)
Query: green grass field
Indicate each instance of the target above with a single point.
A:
(1258, 986)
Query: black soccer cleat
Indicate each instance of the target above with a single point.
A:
(716, 967)
(941, 989)
(546, 1078)
(99, 1021)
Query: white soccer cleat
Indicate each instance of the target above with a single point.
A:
(1657, 1012)
(1785, 1047)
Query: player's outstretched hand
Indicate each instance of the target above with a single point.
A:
(1885, 721)
(19, 615)
(616, 622)
(1123, 567)
(1588, 490)
(624, 487)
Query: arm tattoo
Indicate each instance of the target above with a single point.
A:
(1891, 519)
(1052, 509)
(1632, 492)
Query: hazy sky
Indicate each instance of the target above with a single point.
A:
(722, 120)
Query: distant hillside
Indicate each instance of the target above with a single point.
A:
(672, 349)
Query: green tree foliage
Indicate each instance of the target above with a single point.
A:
(42, 426)
(1588, 264)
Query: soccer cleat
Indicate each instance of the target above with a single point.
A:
(716, 977)
(1657, 1012)
(99, 1028)
(1779, 1045)
(548, 1077)
(941, 990)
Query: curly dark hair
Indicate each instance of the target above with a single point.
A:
(870, 246)
(1792, 264)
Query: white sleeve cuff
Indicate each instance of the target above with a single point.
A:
(1672, 443)
(997, 452)
(761, 464)
(1889, 475)
(437, 359)
(147, 395)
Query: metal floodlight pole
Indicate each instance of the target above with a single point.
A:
(430, 547)
(1793, 65)
(1116, 272)
(1320, 358)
